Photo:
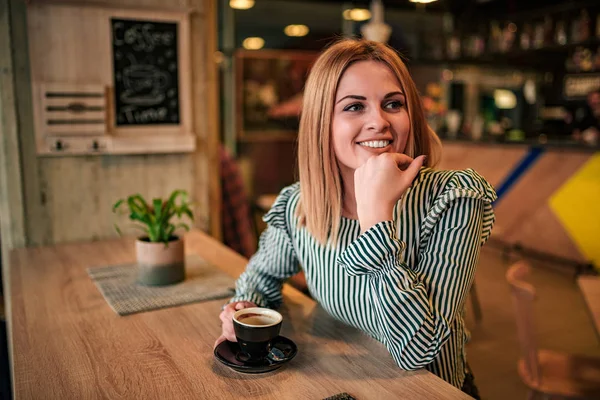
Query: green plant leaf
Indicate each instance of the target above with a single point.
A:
(189, 213)
(169, 232)
(117, 205)
(136, 216)
(138, 204)
(157, 208)
(170, 206)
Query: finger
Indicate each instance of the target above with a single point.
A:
(243, 304)
(413, 169)
(227, 315)
(401, 160)
(229, 309)
(224, 317)
(229, 333)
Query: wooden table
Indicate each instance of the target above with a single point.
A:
(590, 288)
(66, 342)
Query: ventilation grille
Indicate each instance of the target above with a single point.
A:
(73, 110)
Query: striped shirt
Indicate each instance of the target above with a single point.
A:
(403, 282)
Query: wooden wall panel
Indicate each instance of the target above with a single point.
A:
(542, 231)
(103, 182)
(70, 198)
(494, 162)
(205, 91)
(12, 222)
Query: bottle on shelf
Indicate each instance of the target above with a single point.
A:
(587, 60)
(478, 43)
(538, 35)
(525, 39)
(508, 37)
(561, 33)
(584, 26)
(495, 37)
(453, 47)
(575, 30)
(548, 36)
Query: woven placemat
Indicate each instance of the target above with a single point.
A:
(203, 281)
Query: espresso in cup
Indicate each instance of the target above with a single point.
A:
(256, 319)
(255, 328)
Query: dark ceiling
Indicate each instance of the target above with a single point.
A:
(408, 20)
(503, 7)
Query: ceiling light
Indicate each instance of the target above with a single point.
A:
(422, 1)
(447, 75)
(505, 99)
(241, 4)
(253, 43)
(296, 30)
(529, 91)
(357, 14)
(376, 29)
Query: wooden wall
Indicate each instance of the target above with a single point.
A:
(12, 223)
(70, 198)
(524, 214)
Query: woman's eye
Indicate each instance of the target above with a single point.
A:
(394, 105)
(354, 107)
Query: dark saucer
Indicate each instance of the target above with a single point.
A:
(283, 351)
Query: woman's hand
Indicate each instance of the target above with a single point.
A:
(379, 183)
(226, 317)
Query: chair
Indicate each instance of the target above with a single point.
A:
(475, 303)
(237, 225)
(548, 372)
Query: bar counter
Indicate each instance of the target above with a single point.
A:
(541, 142)
(66, 343)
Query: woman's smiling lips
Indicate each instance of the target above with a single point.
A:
(376, 146)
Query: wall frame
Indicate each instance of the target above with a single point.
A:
(269, 86)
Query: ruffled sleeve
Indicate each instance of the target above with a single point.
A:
(275, 260)
(463, 184)
(416, 305)
(282, 209)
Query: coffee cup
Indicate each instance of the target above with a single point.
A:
(255, 328)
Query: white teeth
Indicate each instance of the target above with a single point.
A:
(375, 143)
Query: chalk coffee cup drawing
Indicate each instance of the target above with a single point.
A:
(145, 84)
(255, 328)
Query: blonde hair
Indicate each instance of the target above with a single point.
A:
(320, 207)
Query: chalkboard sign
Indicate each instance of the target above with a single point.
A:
(146, 72)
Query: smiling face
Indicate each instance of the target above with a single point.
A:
(369, 116)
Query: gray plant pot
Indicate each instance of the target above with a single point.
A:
(159, 264)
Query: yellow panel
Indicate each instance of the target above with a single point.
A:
(576, 205)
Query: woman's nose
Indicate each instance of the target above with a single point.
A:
(377, 121)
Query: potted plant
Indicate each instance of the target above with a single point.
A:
(159, 252)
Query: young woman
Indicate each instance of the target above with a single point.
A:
(386, 245)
